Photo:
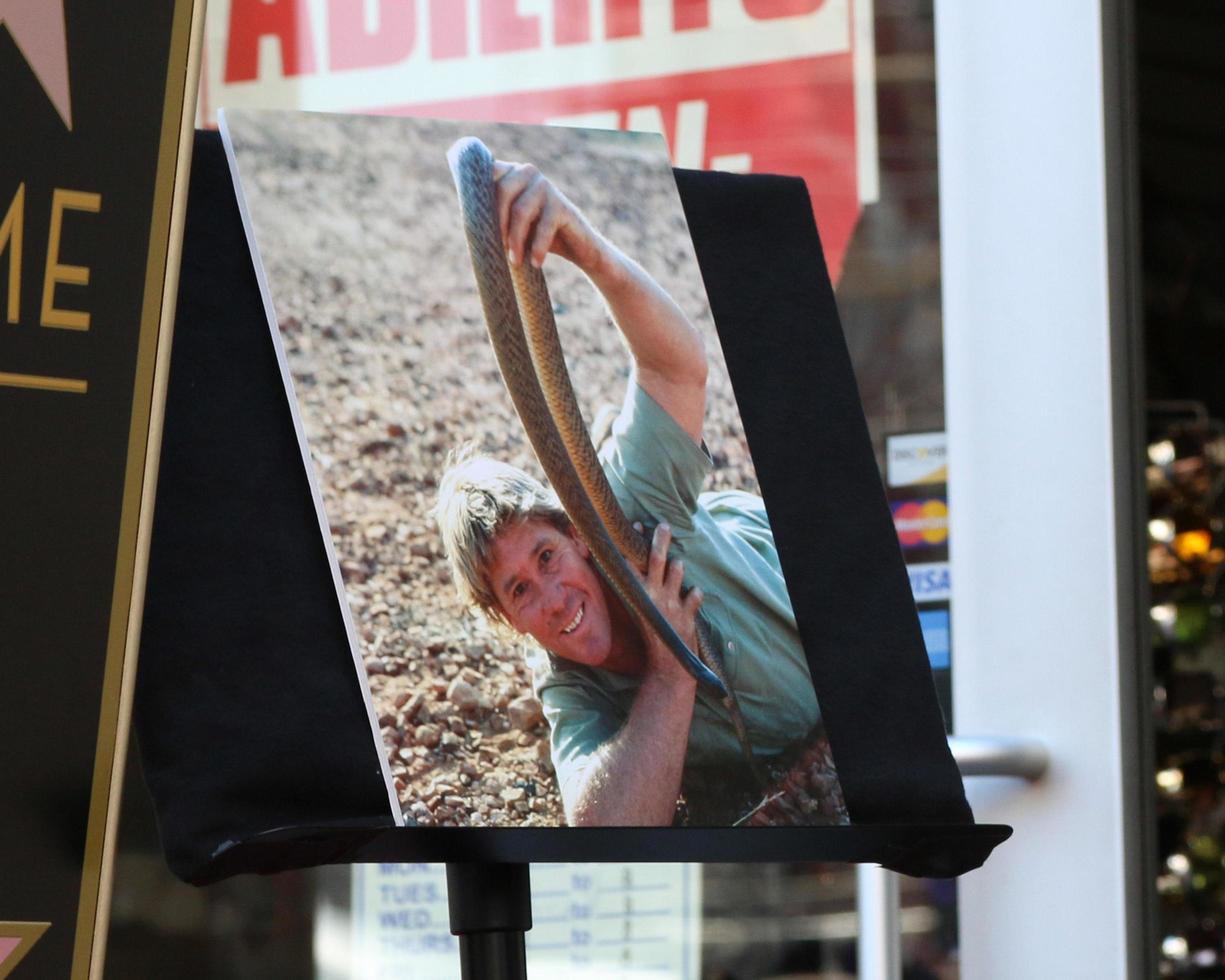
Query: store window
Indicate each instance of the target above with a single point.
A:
(1183, 251)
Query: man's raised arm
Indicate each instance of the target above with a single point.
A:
(668, 354)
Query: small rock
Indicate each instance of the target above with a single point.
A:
(525, 713)
(542, 750)
(406, 755)
(457, 726)
(375, 532)
(463, 695)
(387, 720)
(513, 794)
(413, 706)
(470, 676)
(428, 735)
(402, 698)
(421, 549)
(439, 688)
(525, 739)
(507, 744)
(451, 742)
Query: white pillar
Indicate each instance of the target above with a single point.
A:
(1028, 394)
(878, 901)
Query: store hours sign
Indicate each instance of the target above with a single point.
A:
(641, 921)
(771, 86)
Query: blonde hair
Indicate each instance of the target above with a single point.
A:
(477, 498)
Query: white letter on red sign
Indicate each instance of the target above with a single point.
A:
(352, 46)
(503, 28)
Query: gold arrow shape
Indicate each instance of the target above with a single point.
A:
(17, 939)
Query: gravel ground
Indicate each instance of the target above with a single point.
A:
(358, 230)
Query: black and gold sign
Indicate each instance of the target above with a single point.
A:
(97, 101)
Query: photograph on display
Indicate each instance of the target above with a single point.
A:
(521, 673)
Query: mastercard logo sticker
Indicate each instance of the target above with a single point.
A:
(921, 523)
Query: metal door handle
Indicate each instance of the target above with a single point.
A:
(980, 755)
(880, 934)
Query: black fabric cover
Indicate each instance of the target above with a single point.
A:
(253, 733)
(249, 714)
(773, 304)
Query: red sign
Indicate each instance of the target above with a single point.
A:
(771, 86)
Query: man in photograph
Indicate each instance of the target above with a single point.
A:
(629, 726)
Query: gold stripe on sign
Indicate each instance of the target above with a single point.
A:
(136, 516)
(43, 383)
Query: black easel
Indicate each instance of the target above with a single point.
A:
(491, 911)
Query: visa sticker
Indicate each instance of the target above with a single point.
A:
(930, 581)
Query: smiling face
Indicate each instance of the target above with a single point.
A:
(547, 587)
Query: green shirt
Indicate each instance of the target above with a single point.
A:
(656, 471)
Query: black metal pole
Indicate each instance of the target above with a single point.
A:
(491, 911)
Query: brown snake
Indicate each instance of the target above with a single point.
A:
(535, 374)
